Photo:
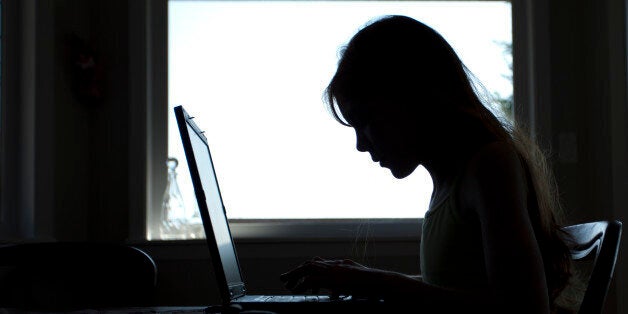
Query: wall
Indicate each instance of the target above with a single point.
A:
(91, 133)
(72, 177)
(587, 114)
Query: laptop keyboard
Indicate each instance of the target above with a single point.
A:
(292, 298)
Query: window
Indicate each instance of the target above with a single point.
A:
(255, 86)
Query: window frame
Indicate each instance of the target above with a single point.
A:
(11, 224)
(7, 220)
(26, 205)
(149, 137)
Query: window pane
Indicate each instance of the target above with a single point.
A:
(253, 73)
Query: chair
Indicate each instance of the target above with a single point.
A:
(69, 276)
(599, 242)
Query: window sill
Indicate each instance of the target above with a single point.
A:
(295, 238)
(324, 230)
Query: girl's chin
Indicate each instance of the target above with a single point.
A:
(401, 172)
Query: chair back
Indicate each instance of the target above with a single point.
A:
(598, 241)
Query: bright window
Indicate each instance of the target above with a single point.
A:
(253, 74)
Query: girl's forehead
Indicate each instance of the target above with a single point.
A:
(357, 113)
(345, 112)
(350, 109)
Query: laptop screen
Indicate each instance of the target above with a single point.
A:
(221, 248)
(215, 207)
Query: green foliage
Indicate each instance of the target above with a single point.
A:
(505, 103)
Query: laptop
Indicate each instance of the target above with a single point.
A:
(220, 242)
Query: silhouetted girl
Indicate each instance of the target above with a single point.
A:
(490, 239)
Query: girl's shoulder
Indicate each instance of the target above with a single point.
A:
(494, 175)
(492, 159)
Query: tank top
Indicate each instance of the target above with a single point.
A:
(451, 251)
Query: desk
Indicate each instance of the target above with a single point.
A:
(130, 310)
(192, 310)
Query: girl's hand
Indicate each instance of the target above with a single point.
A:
(340, 277)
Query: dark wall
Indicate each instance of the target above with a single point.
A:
(587, 116)
(92, 131)
(584, 47)
(81, 157)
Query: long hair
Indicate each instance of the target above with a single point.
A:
(401, 62)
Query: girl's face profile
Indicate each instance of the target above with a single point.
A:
(384, 136)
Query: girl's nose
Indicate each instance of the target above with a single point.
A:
(362, 144)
